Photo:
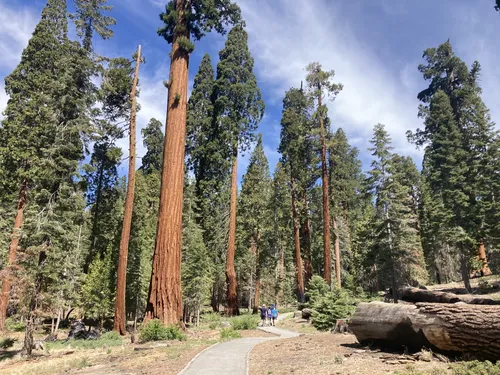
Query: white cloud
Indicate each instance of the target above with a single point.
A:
(284, 39)
(16, 27)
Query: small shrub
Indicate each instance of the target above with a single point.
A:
(111, 336)
(154, 330)
(214, 325)
(211, 317)
(476, 368)
(14, 325)
(337, 304)
(245, 322)
(7, 343)
(229, 333)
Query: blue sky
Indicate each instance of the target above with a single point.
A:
(374, 46)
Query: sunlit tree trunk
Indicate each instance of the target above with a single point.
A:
(14, 244)
(120, 317)
(232, 284)
(296, 239)
(165, 296)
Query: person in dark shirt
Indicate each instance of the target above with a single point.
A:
(263, 314)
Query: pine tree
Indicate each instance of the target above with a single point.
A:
(319, 83)
(452, 105)
(238, 107)
(296, 124)
(346, 196)
(120, 318)
(40, 137)
(182, 19)
(90, 18)
(153, 141)
(397, 242)
(255, 215)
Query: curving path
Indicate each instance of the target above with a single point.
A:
(231, 358)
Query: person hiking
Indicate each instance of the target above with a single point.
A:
(269, 316)
(263, 314)
(274, 315)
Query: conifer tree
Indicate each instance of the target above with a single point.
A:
(295, 125)
(238, 107)
(120, 317)
(90, 18)
(319, 83)
(153, 141)
(452, 108)
(182, 19)
(255, 216)
(40, 140)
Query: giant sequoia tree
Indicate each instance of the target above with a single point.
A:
(238, 108)
(319, 83)
(182, 19)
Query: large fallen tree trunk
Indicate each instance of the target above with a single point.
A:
(419, 295)
(451, 328)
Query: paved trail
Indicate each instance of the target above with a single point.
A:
(231, 358)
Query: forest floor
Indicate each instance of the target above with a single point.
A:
(322, 353)
(165, 358)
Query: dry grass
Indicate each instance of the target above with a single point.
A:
(150, 358)
(326, 354)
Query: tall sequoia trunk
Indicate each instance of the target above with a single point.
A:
(337, 252)
(14, 244)
(232, 284)
(485, 269)
(256, 252)
(120, 318)
(165, 296)
(296, 239)
(327, 255)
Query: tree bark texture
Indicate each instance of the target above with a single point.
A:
(485, 269)
(165, 297)
(337, 252)
(450, 328)
(120, 320)
(296, 239)
(232, 284)
(327, 255)
(14, 244)
(306, 246)
(418, 295)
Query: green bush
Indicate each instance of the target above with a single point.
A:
(154, 330)
(7, 343)
(214, 325)
(328, 306)
(229, 333)
(14, 325)
(245, 322)
(211, 317)
(476, 368)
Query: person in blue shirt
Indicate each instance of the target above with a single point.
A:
(274, 315)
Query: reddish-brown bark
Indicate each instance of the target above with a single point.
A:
(14, 244)
(296, 239)
(337, 252)
(232, 284)
(121, 282)
(306, 245)
(485, 269)
(165, 297)
(327, 255)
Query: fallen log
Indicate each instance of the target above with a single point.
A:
(418, 295)
(449, 328)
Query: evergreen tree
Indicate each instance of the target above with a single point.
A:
(255, 215)
(90, 18)
(238, 107)
(452, 108)
(397, 243)
(182, 19)
(41, 134)
(153, 141)
(346, 196)
(319, 83)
